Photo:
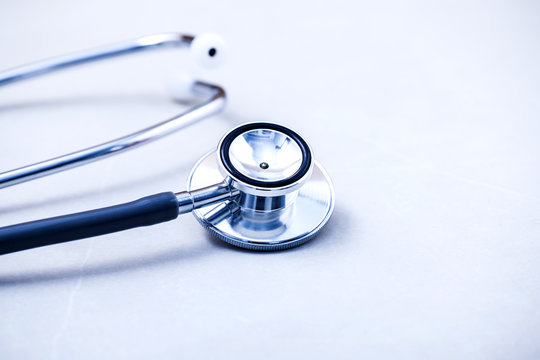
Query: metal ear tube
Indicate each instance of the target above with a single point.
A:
(213, 104)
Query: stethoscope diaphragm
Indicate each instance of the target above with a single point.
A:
(266, 215)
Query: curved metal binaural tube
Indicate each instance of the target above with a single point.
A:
(165, 40)
(214, 104)
(85, 156)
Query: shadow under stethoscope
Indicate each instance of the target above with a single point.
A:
(326, 238)
(160, 258)
(338, 223)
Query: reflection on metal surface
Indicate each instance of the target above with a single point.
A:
(250, 228)
(265, 155)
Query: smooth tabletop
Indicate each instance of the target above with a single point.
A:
(426, 115)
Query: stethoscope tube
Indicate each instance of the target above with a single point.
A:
(213, 104)
(146, 211)
(166, 40)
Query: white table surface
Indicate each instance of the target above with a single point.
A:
(425, 114)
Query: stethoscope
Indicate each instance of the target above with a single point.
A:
(260, 188)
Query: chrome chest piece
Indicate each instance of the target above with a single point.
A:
(285, 197)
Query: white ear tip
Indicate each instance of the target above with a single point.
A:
(209, 50)
(180, 86)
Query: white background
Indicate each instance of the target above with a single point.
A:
(425, 114)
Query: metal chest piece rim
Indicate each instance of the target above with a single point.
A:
(277, 209)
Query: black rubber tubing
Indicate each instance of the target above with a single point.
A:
(146, 211)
